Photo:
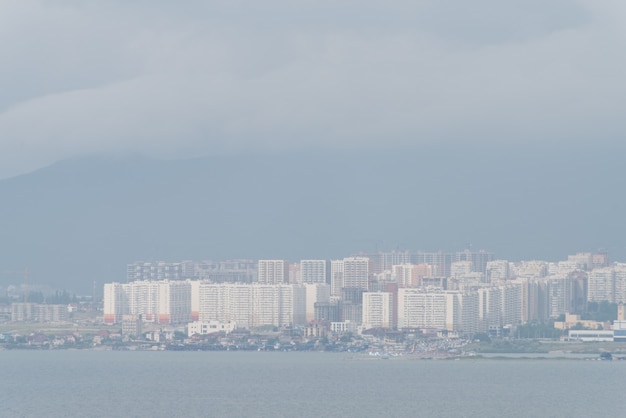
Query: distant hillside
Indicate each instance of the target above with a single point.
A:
(83, 220)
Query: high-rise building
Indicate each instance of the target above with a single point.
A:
(273, 272)
(601, 285)
(479, 259)
(559, 294)
(313, 271)
(408, 275)
(619, 295)
(599, 260)
(251, 305)
(377, 310)
(336, 277)
(582, 261)
(418, 309)
(497, 270)
(159, 270)
(381, 261)
(315, 293)
(461, 268)
(356, 272)
(164, 301)
(439, 261)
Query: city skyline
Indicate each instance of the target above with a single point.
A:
(465, 293)
(311, 177)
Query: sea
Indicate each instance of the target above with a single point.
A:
(68, 383)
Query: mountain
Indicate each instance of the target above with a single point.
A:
(83, 220)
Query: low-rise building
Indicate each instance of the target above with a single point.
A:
(210, 327)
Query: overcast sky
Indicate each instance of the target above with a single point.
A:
(176, 79)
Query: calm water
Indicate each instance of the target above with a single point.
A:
(244, 384)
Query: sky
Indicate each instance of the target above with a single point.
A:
(201, 78)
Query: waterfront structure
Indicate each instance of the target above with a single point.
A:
(209, 327)
(273, 272)
(591, 335)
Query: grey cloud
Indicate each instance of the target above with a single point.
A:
(213, 77)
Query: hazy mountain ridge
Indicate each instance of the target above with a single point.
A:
(83, 220)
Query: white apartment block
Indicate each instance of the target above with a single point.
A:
(356, 272)
(115, 302)
(164, 302)
(273, 272)
(582, 261)
(407, 275)
(344, 327)
(497, 271)
(312, 271)
(420, 309)
(601, 285)
(468, 307)
(195, 299)
(489, 308)
(620, 284)
(210, 327)
(529, 269)
(253, 305)
(559, 294)
(38, 312)
(377, 310)
(461, 268)
(225, 302)
(159, 270)
(512, 310)
(607, 284)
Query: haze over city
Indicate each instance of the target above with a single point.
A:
(321, 129)
(190, 190)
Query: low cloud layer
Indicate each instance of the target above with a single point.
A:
(163, 79)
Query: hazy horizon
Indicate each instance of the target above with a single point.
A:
(135, 130)
(84, 219)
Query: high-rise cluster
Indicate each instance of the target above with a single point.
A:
(465, 292)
